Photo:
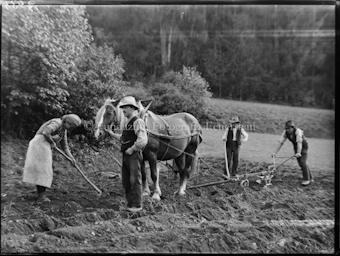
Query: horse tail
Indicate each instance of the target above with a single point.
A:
(200, 135)
(198, 130)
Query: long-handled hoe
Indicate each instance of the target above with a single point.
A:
(82, 174)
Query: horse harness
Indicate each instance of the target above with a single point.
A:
(169, 146)
(161, 137)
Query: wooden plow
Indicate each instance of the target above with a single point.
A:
(263, 176)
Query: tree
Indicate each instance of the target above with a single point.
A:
(39, 49)
(99, 76)
(260, 53)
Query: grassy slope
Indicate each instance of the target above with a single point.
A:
(259, 147)
(270, 118)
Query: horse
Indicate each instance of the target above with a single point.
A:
(172, 137)
(84, 129)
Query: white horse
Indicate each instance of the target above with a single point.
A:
(175, 137)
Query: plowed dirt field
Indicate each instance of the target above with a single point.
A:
(227, 218)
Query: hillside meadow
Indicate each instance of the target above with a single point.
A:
(270, 118)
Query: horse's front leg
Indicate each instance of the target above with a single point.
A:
(154, 170)
(145, 184)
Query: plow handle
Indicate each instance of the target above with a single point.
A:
(226, 160)
(82, 174)
(284, 161)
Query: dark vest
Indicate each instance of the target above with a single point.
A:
(292, 138)
(128, 136)
(230, 136)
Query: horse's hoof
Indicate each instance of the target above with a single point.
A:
(179, 193)
(156, 197)
(145, 194)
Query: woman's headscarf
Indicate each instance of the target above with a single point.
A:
(73, 118)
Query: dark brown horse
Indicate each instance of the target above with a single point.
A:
(176, 136)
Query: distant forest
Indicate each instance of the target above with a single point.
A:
(68, 59)
(266, 53)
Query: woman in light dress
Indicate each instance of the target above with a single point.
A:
(38, 164)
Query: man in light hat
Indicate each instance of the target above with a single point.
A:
(38, 163)
(234, 136)
(133, 140)
(300, 144)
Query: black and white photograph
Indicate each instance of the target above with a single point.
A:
(168, 128)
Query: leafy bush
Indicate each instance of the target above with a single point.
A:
(39, 46)
(184, 91)
(99, 76)
(138, 90)
(167, 99)
(50, 68)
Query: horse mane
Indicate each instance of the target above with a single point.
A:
(120, 116)
(100, 113)
(108, 101)
(99, 116)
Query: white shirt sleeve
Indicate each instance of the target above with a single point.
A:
(224, 137)
(244, 135)
(142, 137)
(298, 134)
(283, 137)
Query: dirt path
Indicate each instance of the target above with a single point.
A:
(226, 218)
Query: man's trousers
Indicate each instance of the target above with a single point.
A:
(132, 179)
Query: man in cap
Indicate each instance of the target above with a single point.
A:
(133, 140)
(234, 135)
(38, 163)
(296, 136)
